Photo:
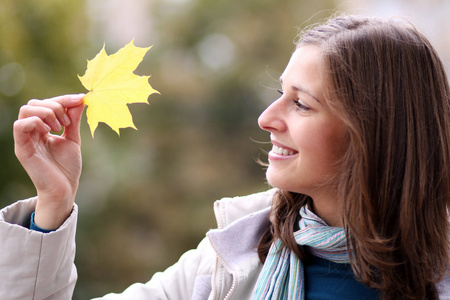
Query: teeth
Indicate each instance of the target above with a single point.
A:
(281, 151)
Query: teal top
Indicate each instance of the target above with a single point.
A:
(328, 280)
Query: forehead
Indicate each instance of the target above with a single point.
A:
(304, 71)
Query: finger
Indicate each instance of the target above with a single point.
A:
(68, 101)
(25, 128)
(72, 132)
(47, 115)
(58, 110)
(59, 105)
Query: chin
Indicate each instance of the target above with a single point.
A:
(277, 182)
(280, 183)
(270, 180)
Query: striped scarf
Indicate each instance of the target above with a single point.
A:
(282, 273)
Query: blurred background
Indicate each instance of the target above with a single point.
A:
(146, 197)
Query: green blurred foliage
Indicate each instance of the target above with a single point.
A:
(146, 197)
(39, 45)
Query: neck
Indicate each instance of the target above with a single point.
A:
(328, 208)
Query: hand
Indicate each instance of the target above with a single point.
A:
(53, 162)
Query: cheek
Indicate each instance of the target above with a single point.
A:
(327, 142)
(336, 142)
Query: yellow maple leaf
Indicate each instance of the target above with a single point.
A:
(112, 85)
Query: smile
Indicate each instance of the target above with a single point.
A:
(282, 151)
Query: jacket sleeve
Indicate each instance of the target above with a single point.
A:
(189, 278)
(35, 265)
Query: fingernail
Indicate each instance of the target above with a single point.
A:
(66, 120)
(57, 127)
(78, 97)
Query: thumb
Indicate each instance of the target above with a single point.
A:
(72, 131)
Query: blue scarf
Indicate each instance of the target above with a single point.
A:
(282, 274)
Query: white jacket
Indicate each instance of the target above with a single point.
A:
(225, 265)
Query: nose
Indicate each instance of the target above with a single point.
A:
(271, 118)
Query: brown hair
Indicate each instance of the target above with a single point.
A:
(389, 86)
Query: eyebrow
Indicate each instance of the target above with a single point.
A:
(301, 89)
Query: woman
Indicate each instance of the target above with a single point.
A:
(360, 161)
(390, 186)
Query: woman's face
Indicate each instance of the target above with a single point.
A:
(308, 139)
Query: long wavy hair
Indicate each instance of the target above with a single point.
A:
(389, 87)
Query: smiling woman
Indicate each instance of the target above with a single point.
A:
(360, 166)
(385, 95)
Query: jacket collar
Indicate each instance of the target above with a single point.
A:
(236, 243)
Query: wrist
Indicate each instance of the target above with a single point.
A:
(50, 217)
(34, 227)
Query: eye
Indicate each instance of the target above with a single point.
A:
(297, 103)
(300, 106)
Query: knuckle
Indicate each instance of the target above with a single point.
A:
(16, 124)
(22, 109)
(34, 102)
